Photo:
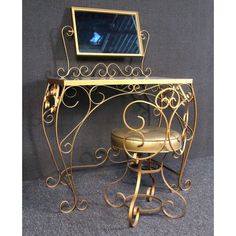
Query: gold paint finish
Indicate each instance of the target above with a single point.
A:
(121, 12)
(143, 144)
(171, 101)
(102, 70)
(154, 140)
(173, 95)
(121, 81)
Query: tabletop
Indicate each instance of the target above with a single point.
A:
(119, 81)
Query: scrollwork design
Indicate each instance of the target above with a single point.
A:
(73, 95)
(65, 206)
(115, 152)
(51, 182)
(170, 202)
(138, 130)
(175, 98)
(48, 118)
(186, 132)
(118, 196)
(101, 99)
(67, 148)
(69, 31)
(146, 38)
(91, 94)
(131, 202)
(101, 153)
(101, 69)
(168, 97)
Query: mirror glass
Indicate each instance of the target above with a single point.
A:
(106, 32)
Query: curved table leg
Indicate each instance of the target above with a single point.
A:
(48, 118)
(170, 202)
(67, 169)
(50, 111)
(186, 185)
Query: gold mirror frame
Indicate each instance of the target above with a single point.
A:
(121, 12)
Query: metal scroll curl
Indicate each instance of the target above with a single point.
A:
(101, 69)
(177, 102)
(95, 97)
(137, 131)
(187, 129)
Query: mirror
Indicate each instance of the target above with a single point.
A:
(103, 32)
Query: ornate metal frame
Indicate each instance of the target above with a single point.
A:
(141, 161)
(99, 10)
(154, 90)
(158, 93)
(101, 69)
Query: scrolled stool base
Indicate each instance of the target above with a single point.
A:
(132, 201)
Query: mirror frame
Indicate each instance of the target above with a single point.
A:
(85, 9)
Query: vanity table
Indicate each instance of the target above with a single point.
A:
(100, 84)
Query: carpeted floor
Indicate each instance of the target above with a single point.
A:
(42, 217)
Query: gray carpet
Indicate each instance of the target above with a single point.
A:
(41, 215)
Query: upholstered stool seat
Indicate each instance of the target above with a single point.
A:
(149, 140)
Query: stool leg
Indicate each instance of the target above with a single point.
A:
(134, 211)
(151, 190)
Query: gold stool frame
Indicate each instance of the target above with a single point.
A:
(173, 98)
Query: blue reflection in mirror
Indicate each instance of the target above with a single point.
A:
(96, 39)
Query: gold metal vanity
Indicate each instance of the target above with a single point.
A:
(156, 92)
(170, 100)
